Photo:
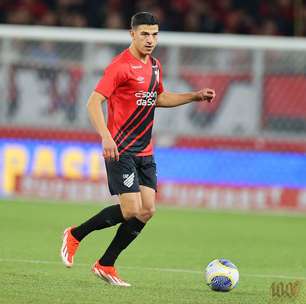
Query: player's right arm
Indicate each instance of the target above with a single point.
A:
(94, 108)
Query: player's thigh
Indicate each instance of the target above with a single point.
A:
(130, 204)
(148, 198)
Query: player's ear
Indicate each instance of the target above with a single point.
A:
(132, 33)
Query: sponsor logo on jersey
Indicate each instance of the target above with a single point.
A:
(128, 180)
(146, 98)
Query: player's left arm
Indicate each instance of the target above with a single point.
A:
(169, 99)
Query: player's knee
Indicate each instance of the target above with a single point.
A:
(150, 212)
(130, 211)
(147, 213)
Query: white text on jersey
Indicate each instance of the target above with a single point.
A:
(146, 98)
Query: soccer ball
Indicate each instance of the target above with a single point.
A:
(221, 275)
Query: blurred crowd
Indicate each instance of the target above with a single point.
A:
(273, 17)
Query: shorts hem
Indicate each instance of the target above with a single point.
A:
(123, 192)
(149, 186)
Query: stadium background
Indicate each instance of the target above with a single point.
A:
(246, 150)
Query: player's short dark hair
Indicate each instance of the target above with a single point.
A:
(143, 18)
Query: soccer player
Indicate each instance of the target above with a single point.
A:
(133, 86)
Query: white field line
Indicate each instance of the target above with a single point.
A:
(272, 276)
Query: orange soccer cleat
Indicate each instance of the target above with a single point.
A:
(109, 275)
(69, 247)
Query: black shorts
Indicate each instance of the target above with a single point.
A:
(127, 174)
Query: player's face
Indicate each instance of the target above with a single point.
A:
(144, 37)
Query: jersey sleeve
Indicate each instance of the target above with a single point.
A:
(113, 76)
(160, 87)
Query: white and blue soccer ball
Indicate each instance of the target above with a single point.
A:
(221, 275)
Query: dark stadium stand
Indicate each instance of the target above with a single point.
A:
(275, 17)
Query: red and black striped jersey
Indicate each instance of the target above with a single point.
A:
(131, 88)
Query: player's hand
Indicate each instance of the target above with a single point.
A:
(110, 151)
(206, 95)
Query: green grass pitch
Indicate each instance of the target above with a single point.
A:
(164, 265)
